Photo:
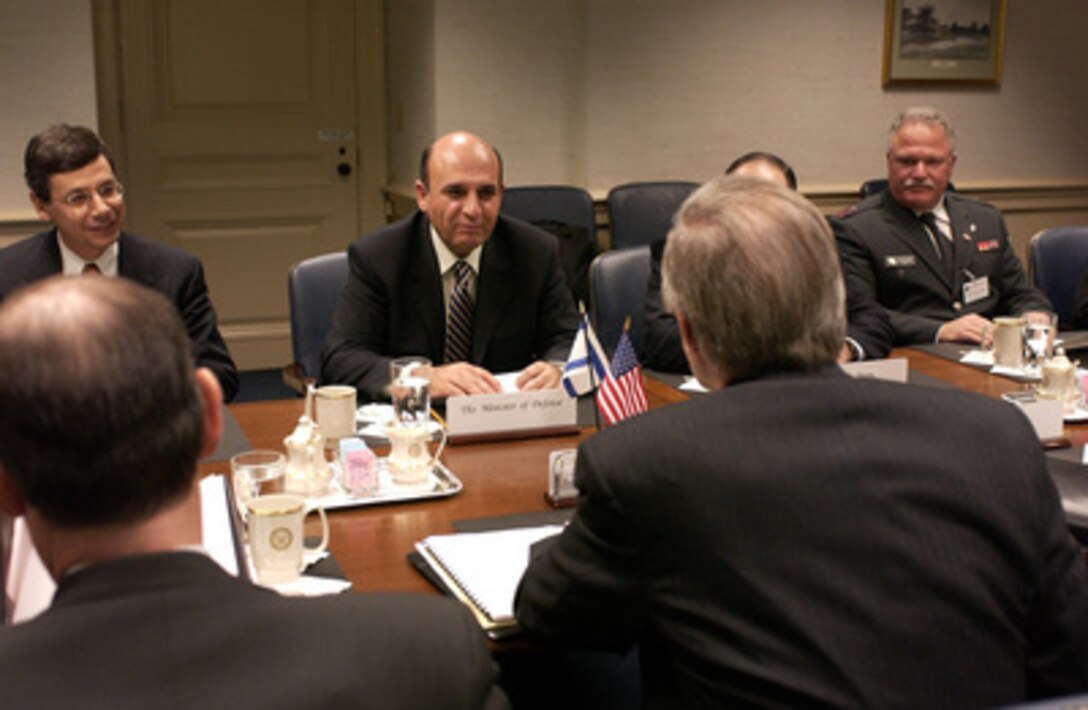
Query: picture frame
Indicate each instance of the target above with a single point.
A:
(943, 42)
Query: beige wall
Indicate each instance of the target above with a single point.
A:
(597, 92)
(45, 77)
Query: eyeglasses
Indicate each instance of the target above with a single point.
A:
(111, 192)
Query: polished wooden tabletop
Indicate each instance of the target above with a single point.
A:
(371, 542)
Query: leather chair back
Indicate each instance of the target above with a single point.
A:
(313, 290)
(617, 282)
(640, 213)
(1058, 256)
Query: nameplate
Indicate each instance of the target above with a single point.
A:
(1044, 414)
(892, 369)
(510, 415)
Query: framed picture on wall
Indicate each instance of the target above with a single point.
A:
(943, 41)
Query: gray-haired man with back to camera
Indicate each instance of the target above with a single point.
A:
(100, 432)
(800, 538)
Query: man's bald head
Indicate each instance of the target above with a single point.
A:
(101, 420)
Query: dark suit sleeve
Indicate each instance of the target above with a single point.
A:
(1018, 295)
(661, 340)
(557, 318)
(586, 587)
(1080, 303)
(1057, 622)
(209, 349)
(867, 324)
(360, 331)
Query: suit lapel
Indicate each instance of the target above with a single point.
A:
(48, 261)
(424, 294)
(493, 292)
(909, 230)
(132, 263)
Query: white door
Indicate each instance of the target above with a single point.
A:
(238, 125)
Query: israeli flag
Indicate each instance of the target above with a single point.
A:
(587, 365)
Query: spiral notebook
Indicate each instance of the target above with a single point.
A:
(483, 569)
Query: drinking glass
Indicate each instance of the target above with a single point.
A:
(1039, 336)
(257, 473)
(410, 388)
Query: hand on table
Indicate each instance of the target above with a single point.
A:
(539, 376)
(971, 328)
(459, 378)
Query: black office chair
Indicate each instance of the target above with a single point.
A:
(641, 212)
(563, 204)
(566, 212)
(617, 283)
(313, 290)
(1058, 257)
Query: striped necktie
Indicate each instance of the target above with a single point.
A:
(459, 320)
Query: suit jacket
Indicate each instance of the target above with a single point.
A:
(1080, 303)
(392, 304)
(887, 247)
(866, 322)
(175, 273)
(174, 631)
(816, 540)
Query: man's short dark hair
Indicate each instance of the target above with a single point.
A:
(425, 159)
(759, 156)
(101, 420)
(60, 149)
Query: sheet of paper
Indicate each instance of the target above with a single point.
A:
(690, 384)
(891, 369)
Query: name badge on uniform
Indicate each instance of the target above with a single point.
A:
(976, 289)
(898, 261)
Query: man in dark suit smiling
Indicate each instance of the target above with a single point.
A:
(72, 185)
(407, 280)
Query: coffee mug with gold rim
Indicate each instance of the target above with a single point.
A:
(275, 535)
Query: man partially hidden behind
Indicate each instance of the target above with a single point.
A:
(73, 185)
(868, 331)
(940, 263)
(102, 420)
(799, 538)
(477, 292)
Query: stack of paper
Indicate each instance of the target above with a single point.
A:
(483, 569)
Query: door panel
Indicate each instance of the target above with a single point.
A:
(238, 118)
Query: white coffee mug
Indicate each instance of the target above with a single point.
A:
(276, 538)
(334, 407)
(1009, 341)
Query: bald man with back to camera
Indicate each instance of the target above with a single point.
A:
(101, 427)
(800, 538)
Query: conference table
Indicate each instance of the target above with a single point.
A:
(501, 478)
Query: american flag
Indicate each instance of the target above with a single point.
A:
(621, 394)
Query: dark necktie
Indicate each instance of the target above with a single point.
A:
(91, 268)
(459, 320)
(942, 244)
